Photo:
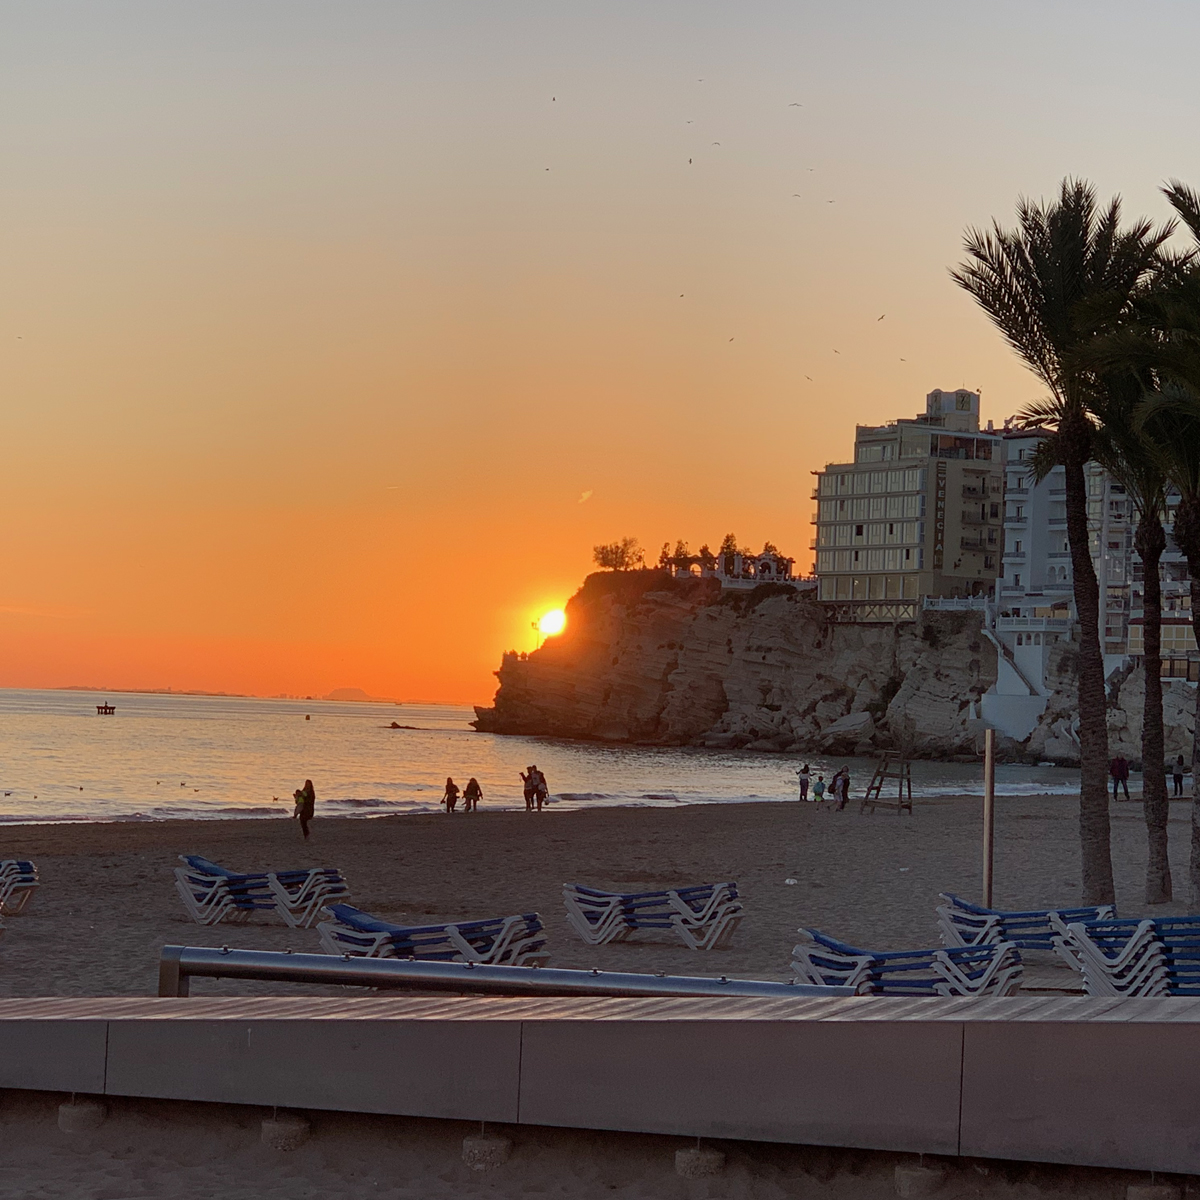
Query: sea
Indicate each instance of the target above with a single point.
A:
(166, 756)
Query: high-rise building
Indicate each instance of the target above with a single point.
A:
(917, 513)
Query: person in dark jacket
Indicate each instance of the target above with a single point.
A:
(450, 795)
(306, 804)
(1119, 770)
(472, 794)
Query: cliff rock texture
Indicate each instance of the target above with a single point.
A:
(647, 658)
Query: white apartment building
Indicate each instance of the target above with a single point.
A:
(917, 513)
(1035, 598)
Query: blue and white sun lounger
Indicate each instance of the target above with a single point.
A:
(213, 893)
(1152, 957)
(704, 915)
(992, 969)
(961, 923)
(516, 940)
(18, 882)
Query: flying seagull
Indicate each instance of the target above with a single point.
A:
(794, 104)
(878, 319)
(716, 143)
(809, 378)
(837, 352)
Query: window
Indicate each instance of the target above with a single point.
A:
(962, 402)
(1017, 546)
(1017, 580)
(858, 531)
(988, 561)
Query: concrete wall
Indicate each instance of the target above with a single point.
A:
(1084, 1081)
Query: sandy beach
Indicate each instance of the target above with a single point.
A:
(107, 902)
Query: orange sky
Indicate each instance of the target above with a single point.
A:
(306, 358)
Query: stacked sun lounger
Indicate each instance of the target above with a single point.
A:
(513, 941)
(993, 969)
(1152, 957)
(18, 882)
(704, 916)
(213, 893)
(961, 923)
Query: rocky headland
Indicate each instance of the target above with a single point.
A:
(646, 658)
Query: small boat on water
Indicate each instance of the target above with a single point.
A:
(105, 710)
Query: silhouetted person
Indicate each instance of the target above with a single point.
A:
(529, 780)
(805, 776)
(472, 794)
(1177, 775)
(450, 795)
(1119, 770)
(541, 792)
(306, 804)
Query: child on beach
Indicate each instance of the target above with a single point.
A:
(306, 804)
(472, 794)
(819, 789)
(450, 795)
(529, 780)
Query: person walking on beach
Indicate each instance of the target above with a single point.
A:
(541, 791)
(819, 789)
(804, 775)
(841, 788)
(1177, 775)
(1119, 770)
(528, 779)
(306, 804)
(472, 794)
(450, 795)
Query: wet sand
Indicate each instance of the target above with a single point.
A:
(107, 902)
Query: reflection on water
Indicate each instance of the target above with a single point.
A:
(200, 756)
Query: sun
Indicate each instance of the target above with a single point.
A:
(552, 623)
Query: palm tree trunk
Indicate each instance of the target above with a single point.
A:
(1094, 842)
(1187, 537)
(1150, 542)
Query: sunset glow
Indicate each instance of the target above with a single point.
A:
(334, 338)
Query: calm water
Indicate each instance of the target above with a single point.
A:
(197, 756)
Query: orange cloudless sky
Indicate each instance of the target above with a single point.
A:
(334, 336)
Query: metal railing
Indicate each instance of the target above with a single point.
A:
(179, 964)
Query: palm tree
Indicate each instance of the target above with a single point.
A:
(1067, 272)
(1123, 452)
(1167, 346)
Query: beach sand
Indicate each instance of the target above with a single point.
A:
(159, 1150)
(107, 905)
(107, 902)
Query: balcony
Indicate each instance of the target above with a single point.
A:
(1045, 624)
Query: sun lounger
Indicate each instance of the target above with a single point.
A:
(991, 969)
(961, 923)
(212, 893)
(704, 916)
(1151, 957)
(18, 882)
(516, 940)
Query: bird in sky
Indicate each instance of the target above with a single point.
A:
(795, 104)
(878, 319)
(585, 496)
(681, 295)
(904, 360)
(798, 196)
(689, 162)
(716, 143)
(827, 201)
(837, 352)
(731, 339)
(809, 378)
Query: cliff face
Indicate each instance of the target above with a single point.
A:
(646, 658)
